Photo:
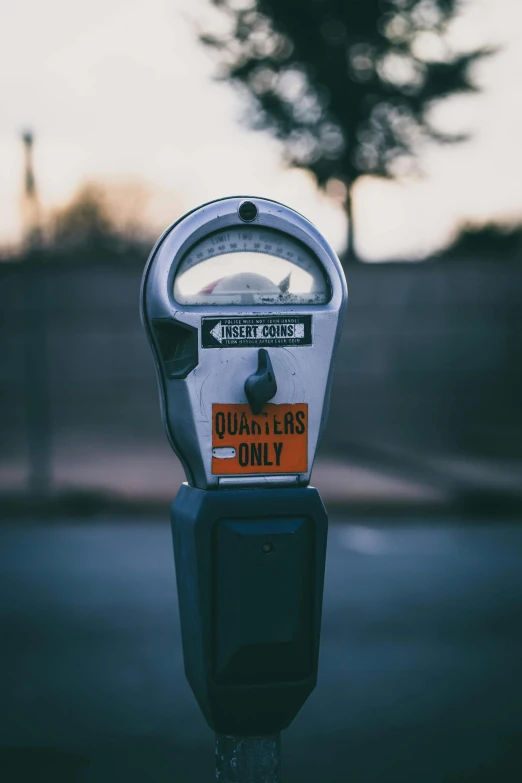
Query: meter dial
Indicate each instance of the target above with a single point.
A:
(250, 266)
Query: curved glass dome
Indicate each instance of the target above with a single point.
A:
(250, 266)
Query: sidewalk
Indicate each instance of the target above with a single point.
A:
(151, 480)
(471, 482)
(374, 478)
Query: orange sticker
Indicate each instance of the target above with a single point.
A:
(273, 441)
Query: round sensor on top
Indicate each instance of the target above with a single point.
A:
(247, 211)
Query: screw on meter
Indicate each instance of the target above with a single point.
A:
(242, 301)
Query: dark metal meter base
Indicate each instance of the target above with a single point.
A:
(250, 572)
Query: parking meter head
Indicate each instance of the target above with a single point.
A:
(242, 301)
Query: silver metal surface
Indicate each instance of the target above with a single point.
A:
(248, 759)
(255, 481)
(303, 372)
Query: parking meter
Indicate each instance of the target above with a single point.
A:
(242, 302)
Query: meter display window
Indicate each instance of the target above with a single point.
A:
(250, 266)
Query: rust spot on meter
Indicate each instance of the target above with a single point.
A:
(273, 441)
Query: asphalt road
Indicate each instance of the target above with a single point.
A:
(420, 674)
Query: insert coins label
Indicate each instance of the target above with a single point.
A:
(273, 441)
(256, 331)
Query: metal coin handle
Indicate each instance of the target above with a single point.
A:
(261, 386)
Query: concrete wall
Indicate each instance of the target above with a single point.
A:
(430, 359)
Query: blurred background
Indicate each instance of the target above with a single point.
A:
(395, 126)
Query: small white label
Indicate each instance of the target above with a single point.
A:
(224, 452)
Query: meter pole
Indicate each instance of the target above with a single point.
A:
(249, 532)
(248, 759)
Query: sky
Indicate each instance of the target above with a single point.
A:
(121, 92)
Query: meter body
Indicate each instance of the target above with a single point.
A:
(226, 298)
(242, 301)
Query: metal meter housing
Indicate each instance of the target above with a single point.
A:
(213, 324)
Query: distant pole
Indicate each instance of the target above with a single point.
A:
(36, 328)
(30, 202)
(248, 759)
